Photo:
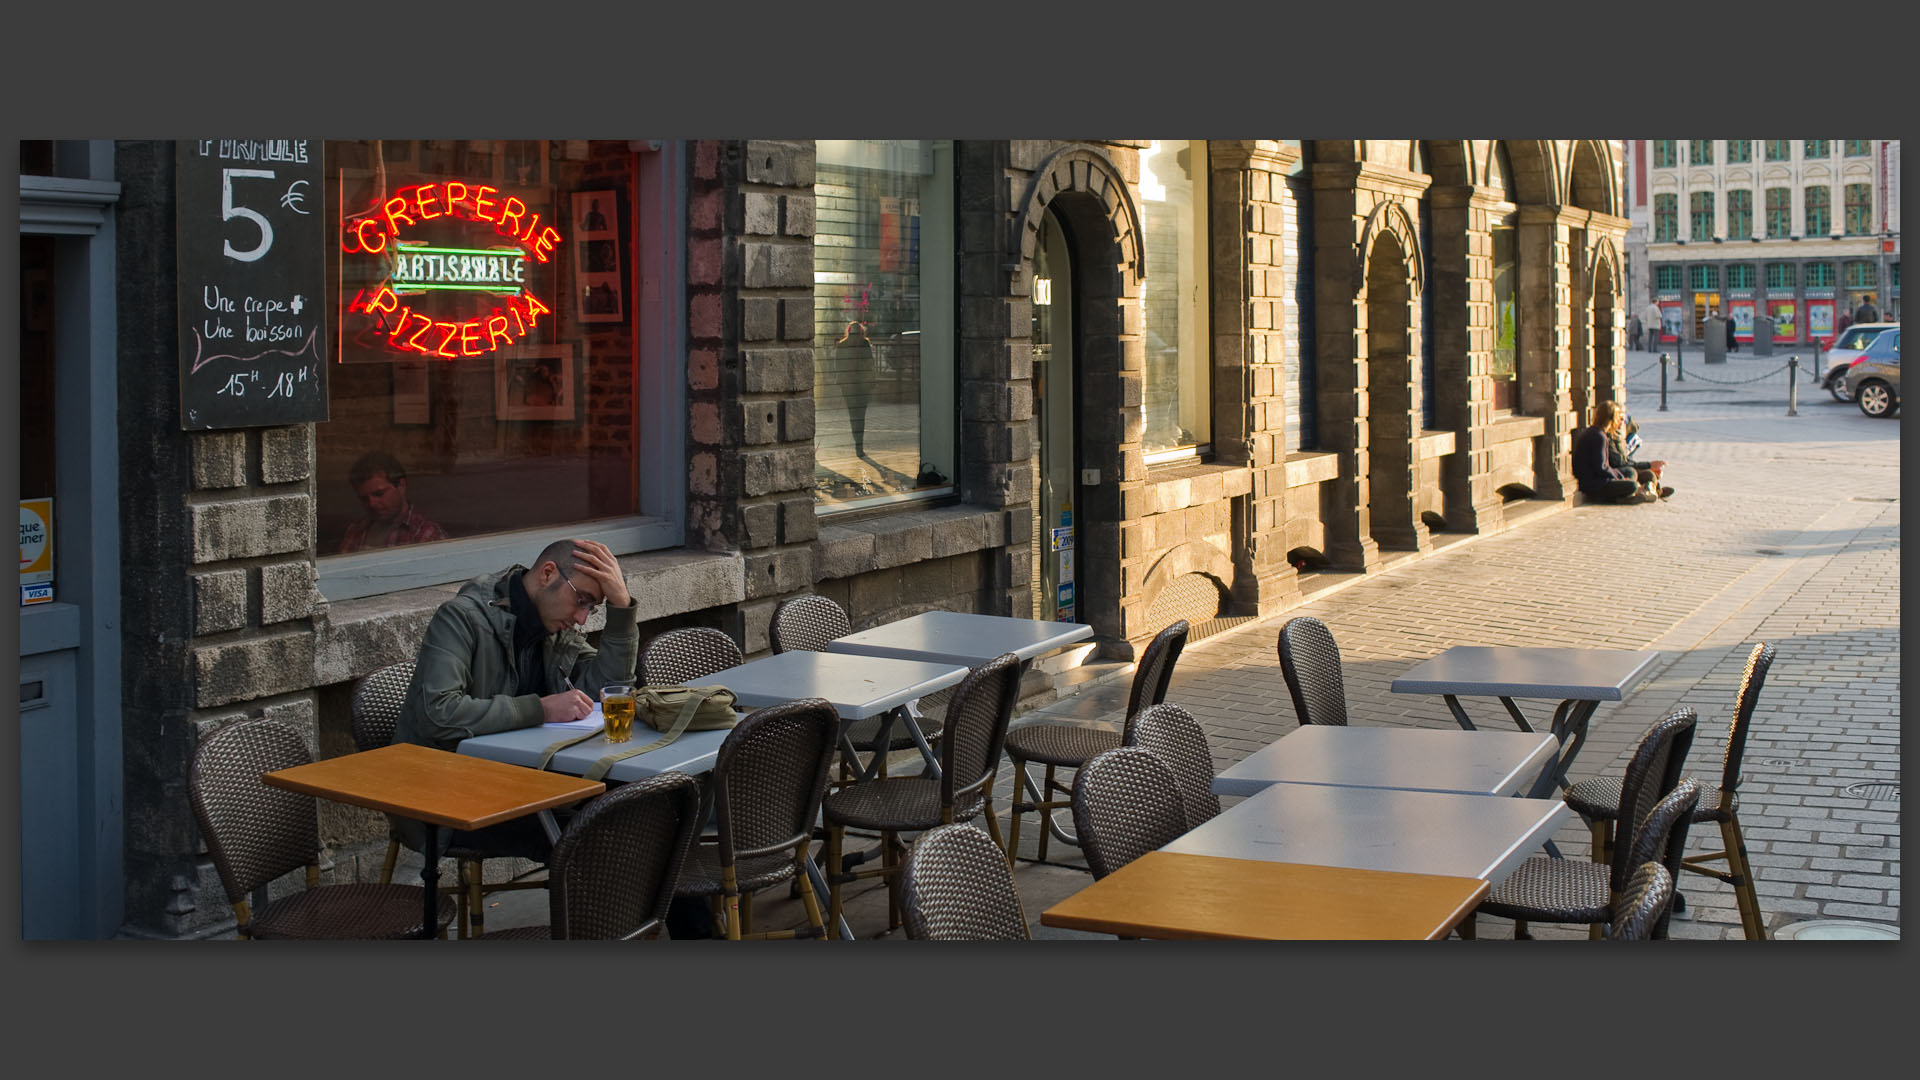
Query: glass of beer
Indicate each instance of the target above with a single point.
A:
(616, 704)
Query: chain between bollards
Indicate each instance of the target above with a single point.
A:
(1793, 385)
(1663, 382)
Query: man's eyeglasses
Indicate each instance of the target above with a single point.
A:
(579, 599)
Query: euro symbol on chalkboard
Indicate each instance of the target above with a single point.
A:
(292, 199)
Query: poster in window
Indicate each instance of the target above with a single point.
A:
(1741, 311)
(1784, 327)
(1671, 314)
(534, 383)
(599, 289)
(1820, 322)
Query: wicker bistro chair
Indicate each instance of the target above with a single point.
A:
(765, 793)
(969, 759)
(1072, 745)
(1571, 891)
(685, 656)
(1645, 904)
(613, 870)
(1598, 801)
(1171, 732)
(1310, 660)
(376, 709)
(956, 886)
(256, 833)
(1126, 802)
(806, 623)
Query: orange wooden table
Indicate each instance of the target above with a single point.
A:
(437, 788)
(1169, 895)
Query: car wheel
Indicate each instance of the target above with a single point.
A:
(1876, 399)
(1837, 386)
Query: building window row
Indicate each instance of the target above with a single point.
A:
(1701, 223)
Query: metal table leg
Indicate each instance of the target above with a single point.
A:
(818, 881)
(430, 880)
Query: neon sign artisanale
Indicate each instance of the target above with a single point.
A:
(416, 269)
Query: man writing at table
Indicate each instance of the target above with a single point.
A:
(507, 652)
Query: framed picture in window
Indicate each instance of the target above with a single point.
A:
(534, 383)
(411, 402)
(599, 287)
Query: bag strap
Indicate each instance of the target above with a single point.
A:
(546, 756)
(694, 700)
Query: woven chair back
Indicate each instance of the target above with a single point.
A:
(956, 886)
(807, 623)
(1759, 661)
(1311, 663)
(376, 705)
(1651, 774)
(1126, 802)
(685, 656)
(770, 775)
(976, 730)
(254, 833)
(1662, 837)
(1171, 732)
(1155, 671)
(1645, 905)
(613, 871)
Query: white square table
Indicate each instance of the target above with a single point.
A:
(1415, 832)
(692, 753)
(1580, 678)
(959, 637)
(1411, 759)
(858, 687)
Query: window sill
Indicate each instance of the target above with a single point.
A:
(880, 543)
(1509, 428)
(1311, 467)
(1178, 486)
(1434, 444)
(356, 636)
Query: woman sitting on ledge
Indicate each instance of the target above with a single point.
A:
(1593, 465)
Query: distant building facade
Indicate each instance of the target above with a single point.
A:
(1782, 235)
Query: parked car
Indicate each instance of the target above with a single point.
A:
(1846, 349)
(1874, 379)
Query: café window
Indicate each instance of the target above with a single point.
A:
(1779, 212)
(1740, 214)
(1819, 210)
(1859, 209)
(1740, 276)
(1700, 151)
(883, 330)
(1506, 318)
(1703, 277)
(1862, 274)
(1780, 275)
(1667, 277)
(1666, 218)
(1819, 275)
(1173, 211)
(1702, 215)
(489, 326)
(1739, 151)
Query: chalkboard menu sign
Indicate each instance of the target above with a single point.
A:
(251, 227)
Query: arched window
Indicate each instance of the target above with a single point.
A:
(1506, 284)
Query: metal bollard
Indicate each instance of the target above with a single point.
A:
(1663, 382)
(1793, 385)
(1679, 361)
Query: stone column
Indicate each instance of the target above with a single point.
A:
(1546, 340)
(1463, 351)
(1340, 348)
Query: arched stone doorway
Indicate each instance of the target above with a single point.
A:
(1391, 397)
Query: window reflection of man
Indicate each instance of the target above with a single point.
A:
(380, 483)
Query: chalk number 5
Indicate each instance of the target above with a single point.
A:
(228, 212)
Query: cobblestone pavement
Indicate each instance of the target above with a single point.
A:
(1783, 529)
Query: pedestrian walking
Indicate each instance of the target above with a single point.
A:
(1733, 343)
(1650, 320)
(1866, 312)
(1633, 333)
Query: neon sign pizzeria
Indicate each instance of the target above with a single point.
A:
(441, 298)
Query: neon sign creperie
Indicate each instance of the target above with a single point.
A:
(416, 270)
